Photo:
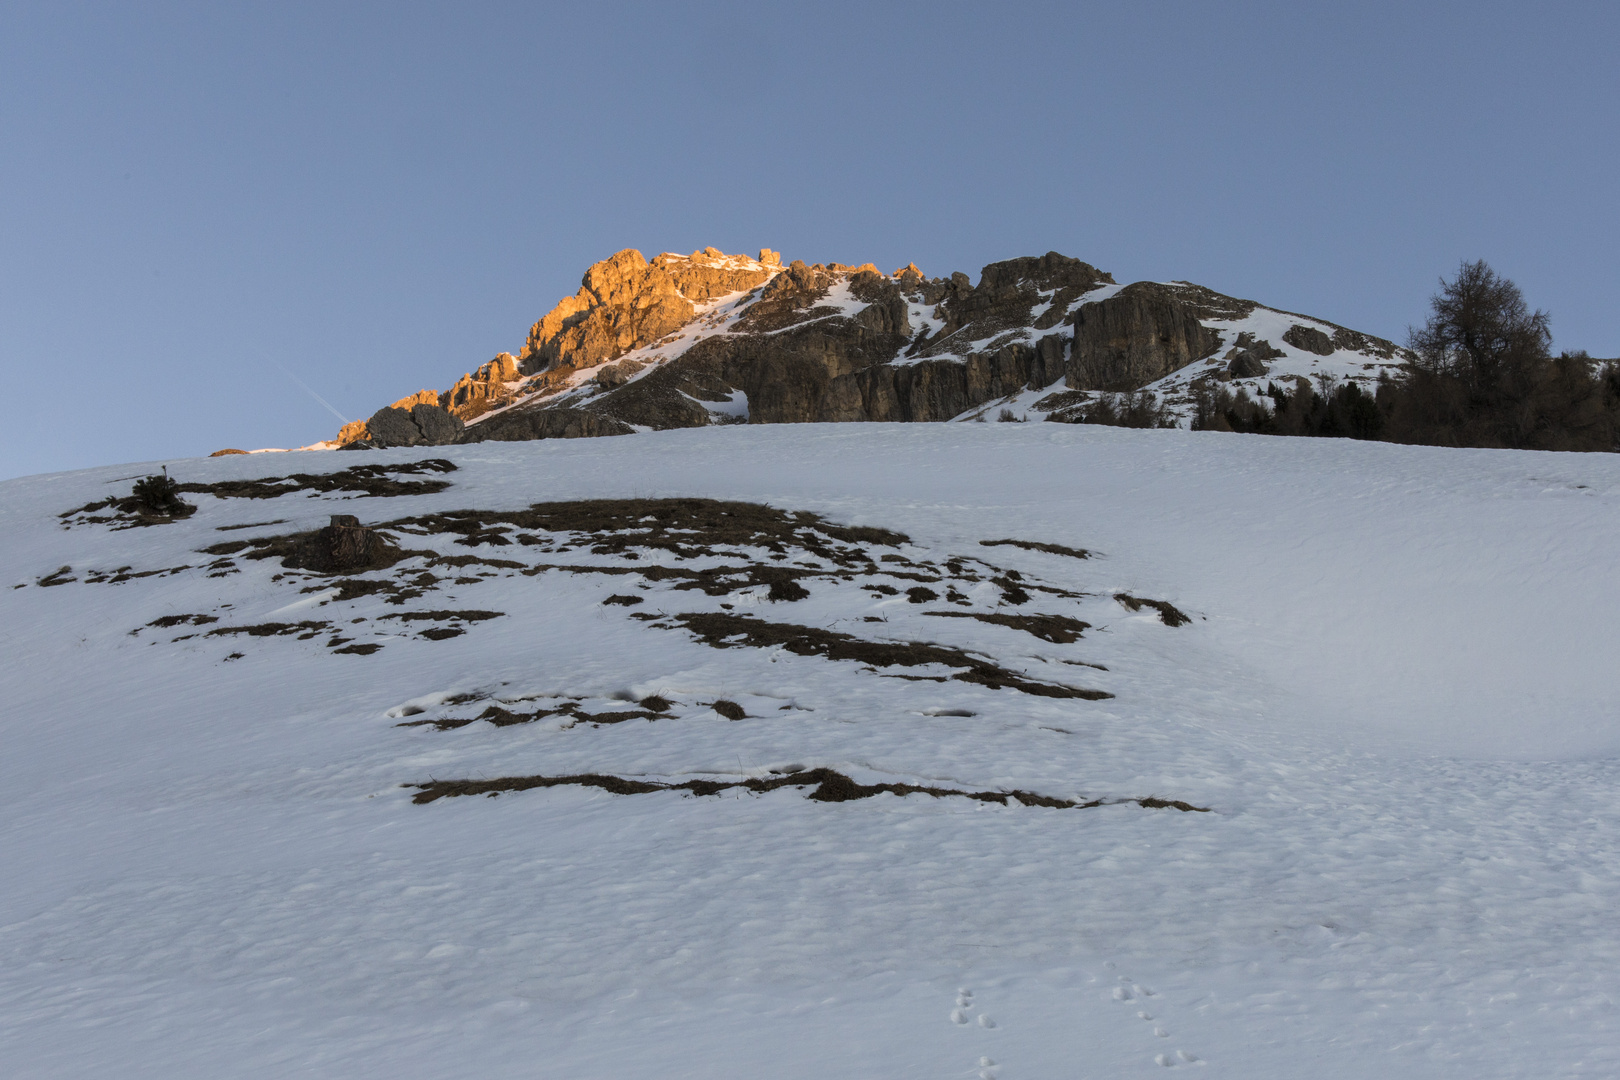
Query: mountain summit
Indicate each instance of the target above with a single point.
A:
(711, 338)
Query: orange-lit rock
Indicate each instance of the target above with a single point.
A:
(479, 391)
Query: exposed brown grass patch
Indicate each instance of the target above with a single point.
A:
(1058, 629)
(724, 631)
(1169, 614)
(686, 527)
(1035, 545)
(830, 786)
(270, 629)
(373, 481)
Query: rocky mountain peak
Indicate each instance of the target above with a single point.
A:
(705, 338)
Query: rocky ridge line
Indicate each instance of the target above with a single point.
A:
(707, 338)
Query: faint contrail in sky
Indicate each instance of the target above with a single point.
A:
(264, 355)
(313, 394)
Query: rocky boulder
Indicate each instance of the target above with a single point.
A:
(389, 426)
(1140, 334)
(439, 427)
(520, 425)
(1245, 365)
(421, 425)
(343, 547)
(1310, 339)
(1355, 341)
(1262, 349)
(358, 432)
(1246, 359)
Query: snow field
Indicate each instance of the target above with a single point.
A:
(1393, 695)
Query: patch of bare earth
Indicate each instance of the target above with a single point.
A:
(829, 786)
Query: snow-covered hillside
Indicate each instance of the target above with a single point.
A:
(909, 766)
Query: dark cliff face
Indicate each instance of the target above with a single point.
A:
(799, 354)
(688, 341)
(838, 344)
(1139, 335)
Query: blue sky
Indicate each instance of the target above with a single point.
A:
(204, 206)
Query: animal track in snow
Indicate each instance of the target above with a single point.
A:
(962, 1015)
(964, 1003)
(1129, 991)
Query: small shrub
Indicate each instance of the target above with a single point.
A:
(160, 495)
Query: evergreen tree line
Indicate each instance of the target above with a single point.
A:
(1482, 374)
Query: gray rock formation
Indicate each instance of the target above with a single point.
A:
(438, 426)
(1245, 365)
(518, 426)
(422, 425)
(1247, 359)
(830, 343)
(1310, 339)
(392, 427)
(1138, 335)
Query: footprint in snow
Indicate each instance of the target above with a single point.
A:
(1180, 1057)
(1127, 991)
(964, 1002)
(962, 1014)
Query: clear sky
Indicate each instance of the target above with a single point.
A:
(204, 205)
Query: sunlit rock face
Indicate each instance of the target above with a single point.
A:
(712, 338)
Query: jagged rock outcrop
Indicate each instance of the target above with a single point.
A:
(711, 338)
(1310, 339)
(559, 423)
(625, 302)
(1134, 337)
(704, 275)
(420, 425)
(359, 431)
(343, 547)
(1245, 365)
(798, 358)
(1005, 299)
(476, 392)
(1247, 358)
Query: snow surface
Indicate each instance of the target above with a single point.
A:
(1397, 696)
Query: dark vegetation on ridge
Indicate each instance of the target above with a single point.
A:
(712, 339)
(1482, 375)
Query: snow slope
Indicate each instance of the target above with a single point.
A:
(1396, 697)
